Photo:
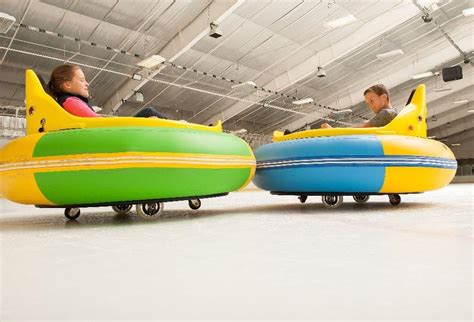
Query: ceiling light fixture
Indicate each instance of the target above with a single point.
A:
(427, 17)
(468, 12)
(443, 89)
(247, 83)
(389, 54)
(341, 21)
(6, 21)
(151, 61)
(321, 72)
(455, 144)
(470, 111)
(240, 131)
(428, 7)
(215, 31)
(422, 75)
(426, 3)
(303, 101)
(429, 4)
(344, 111)
(461, 101)
(96, 109)
(139, 97)
(136, 97)
(137, 77)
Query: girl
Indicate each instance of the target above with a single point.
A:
(69, 87)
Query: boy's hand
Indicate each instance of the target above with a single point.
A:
(326, 126)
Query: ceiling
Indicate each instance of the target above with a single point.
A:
(278, 45)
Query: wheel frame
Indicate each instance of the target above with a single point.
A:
(332, 201)
(361, 198)
(194, 204)
(72, 213)
(303, 198)
(394, 199)
(122, 211)
(145, 213)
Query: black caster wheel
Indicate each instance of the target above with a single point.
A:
(151, 210)
(194, 204)
(332, 201)
(122, 209)
(361, 198)
(303, 198)
(394, 199)
(72, 213)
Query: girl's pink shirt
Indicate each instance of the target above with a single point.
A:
(77, 107)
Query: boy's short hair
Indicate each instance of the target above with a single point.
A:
(378, 89)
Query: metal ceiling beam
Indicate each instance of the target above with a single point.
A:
(131, 37)
(458, 126)
(366, 34)
(95, 20)
(462, 149)
(437, 102)
(8, 100)
(395, 75)
(11, 81)
(441, 107)
(465, 150)
(346, 82)
(205, 55)
(467, 135)
(460, 111)
(16, 31)
(428, 17)
(216, 12)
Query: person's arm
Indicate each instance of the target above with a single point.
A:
(365, 124)
(76, 107)
(382, 118)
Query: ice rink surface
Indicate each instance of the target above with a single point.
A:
(249, 255)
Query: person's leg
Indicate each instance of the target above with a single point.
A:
(149, 112)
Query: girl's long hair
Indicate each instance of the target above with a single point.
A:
(59, 76)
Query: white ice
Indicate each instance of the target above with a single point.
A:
(249, 255)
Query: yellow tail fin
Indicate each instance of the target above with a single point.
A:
(410, 121)
(412, 118)
(44, 114)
